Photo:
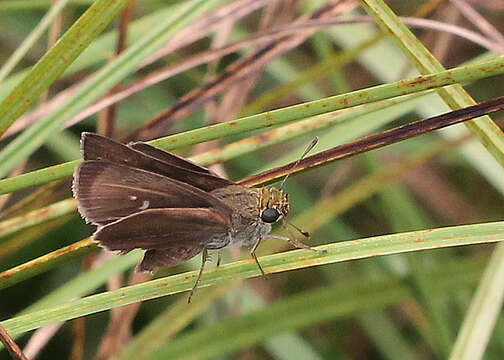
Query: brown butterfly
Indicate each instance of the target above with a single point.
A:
(143, 197)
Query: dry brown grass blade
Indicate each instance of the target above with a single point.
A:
(479, 21)
(119, 330)
(106, 117)
(274, 15)
(375, 141)
(40, 338)
(14, 350)
(239, 70)
(201, 28)
(78, 333)
(429, 184)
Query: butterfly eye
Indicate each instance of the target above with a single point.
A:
(270, 215)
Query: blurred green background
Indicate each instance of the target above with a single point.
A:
(404, 306)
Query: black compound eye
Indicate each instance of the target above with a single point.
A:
(270, 215)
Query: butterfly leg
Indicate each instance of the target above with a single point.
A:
(204, 258)
(252, 252)
(219, 257)
(296, 243)
(293, 241)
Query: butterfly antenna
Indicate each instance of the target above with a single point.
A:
(308, 149)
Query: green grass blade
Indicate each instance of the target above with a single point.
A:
(348, 298)
(57, 59)
(345, 126)
(484, 311)
(296, 259)
(53, 211)
(170, 322)
(489, 134)
(297, 311)
(276, 117)
(20, 51)
(38, 177)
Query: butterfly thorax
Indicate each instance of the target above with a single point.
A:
(248, 205)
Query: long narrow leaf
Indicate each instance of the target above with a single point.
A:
(462, 74)
(297, 259)
(489, 134)
(484, 311)
(32, 38)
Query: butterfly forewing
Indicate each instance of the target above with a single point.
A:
(182, 169)
(107, 192)
(167, 157)
(146, 157)
(166, 229)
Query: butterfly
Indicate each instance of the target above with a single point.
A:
(140, 196)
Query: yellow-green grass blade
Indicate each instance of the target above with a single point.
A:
(276, 117)
(290, 260)
(484, 128)
(484, 311)
(20, 52)
(348, 298)
(16, 5)
(347, 125)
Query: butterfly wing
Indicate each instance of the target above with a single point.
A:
(157, 258)
(146, 157)
(107, 192)
(167, 157)
(169, 230)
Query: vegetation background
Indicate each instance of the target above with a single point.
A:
(183, 65)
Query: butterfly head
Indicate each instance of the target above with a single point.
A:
(274, 204)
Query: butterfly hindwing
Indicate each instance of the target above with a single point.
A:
(157, 258)
(169, 229)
